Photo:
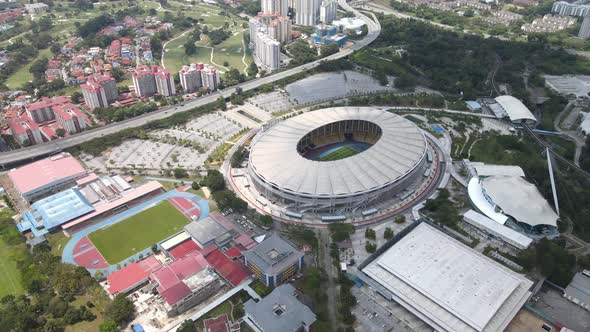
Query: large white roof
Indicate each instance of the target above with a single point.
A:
(515, 109)
(449, 285)
(275, 158)
(520, 199)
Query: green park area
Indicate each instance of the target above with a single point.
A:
(138, 232)
(230, 50)
(10, 281)
(340, 153)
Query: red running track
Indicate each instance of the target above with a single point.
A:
(86, 259)
(82, 245)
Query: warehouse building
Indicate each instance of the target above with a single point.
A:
(445, 283)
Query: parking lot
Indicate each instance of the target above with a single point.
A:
(276, 101)
(327, 86)
(375, 313)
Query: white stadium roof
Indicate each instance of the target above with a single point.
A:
(522, 200)
(515, 109)
(274, 156)
(480, 201)
(447, 284)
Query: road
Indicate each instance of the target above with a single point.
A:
(29, 153)
(326, 262)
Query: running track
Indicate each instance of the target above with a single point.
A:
(80, 250)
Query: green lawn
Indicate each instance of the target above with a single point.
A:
(229, 50)
(138, 232)
(340, 153)
(10, 282)
(22, 75)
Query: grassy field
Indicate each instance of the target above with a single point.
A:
(22, 75)
(138, 232)
(340, 153)
(9, 275)
(230, 50)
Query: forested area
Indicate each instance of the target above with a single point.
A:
(457, 63)
(55, 294)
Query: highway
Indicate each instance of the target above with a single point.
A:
(7, 159)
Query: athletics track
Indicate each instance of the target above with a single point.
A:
(80, 250)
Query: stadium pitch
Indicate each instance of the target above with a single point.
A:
(138, 232)
(340, 153)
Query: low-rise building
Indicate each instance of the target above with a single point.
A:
(578, 290)
(280, 310)
(47, 176)
(36, 8)
(549, 23)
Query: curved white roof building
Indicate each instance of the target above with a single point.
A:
(509, 198)
(516, 110)
(281, 167)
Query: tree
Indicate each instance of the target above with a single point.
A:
(328, 49)
(400, 219)
(108, 326)
(180, 173)
(195, 185)
(388, 233)
(187, 326)
(76, 97)
(38, 67)
(214, 181)
(266, 220)
(370, 247)
(252, 69)
(121, 309)
(190, 48)
(221, 103)
(370, 234)
(60, 132)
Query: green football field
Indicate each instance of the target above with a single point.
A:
(138, 232)
(340, 153)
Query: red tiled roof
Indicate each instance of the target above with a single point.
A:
(180, 270)
(245, 240)
(183, 249)
(126, 278)
(176, 293)
(233, 253)
(46, 102)
(150, 264)
(233, 271)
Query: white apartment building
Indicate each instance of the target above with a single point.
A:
(306, 12)
(190, 77)
(328, 11)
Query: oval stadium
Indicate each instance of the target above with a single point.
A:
(336, 160)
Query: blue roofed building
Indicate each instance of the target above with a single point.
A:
(53, 211)
(473, 106)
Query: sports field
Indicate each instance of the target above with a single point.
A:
(138, 232)
(340, 153)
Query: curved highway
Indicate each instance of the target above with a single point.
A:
(30, 153)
